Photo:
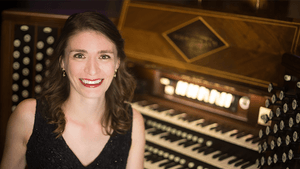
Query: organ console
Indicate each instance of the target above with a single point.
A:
(216, 90)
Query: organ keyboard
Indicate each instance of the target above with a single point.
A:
(195, 139)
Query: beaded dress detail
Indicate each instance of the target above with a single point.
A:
(44, 151)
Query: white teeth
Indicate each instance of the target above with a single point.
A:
(90, 82)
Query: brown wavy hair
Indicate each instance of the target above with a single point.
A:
(56, 88)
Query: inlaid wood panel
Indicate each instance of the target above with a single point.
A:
(253, 52)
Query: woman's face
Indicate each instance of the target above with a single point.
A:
(90, 62)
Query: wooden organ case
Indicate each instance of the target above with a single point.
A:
(27, 40)
(202, 79)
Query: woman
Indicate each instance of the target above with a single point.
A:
(81, 119)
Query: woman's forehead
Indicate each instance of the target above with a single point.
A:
(91, 40)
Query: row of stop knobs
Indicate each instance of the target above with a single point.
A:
(279, 146)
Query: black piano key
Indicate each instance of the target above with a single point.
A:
(218, 155)
(155, 132)
(235, 134)
(160, 108)
(147, 127)
(241, 134)
(165, 163)
(187, 143)
(188, 118)
(219, 128)
(250, 138)
(205, 123)
(248, 164)
(240, 162)
(174, 113)
(227, 129)
(214, 128)
(171, 164)
(256, 140)
(209, 150)
(234, 160)
(171, 137)
(224, 156)
(157, 159)
(202, 149)
(148, 157)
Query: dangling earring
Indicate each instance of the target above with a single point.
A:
(116, 70)
(63, 72)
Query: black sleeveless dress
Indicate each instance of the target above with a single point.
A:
(44, 151)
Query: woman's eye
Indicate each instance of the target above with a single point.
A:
(79, 55)
(104, 56)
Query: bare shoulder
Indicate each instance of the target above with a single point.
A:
(25, 109)
(137, 114)
(137, 118)
(23, 117)
(19, 130)
(136, 153)
(138, 126)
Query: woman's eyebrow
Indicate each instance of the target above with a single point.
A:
(105, 51)
(84, 51)
(78, 50)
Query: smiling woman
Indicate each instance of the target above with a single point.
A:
(90, 57)
(81, 119)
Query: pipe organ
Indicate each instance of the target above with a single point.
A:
(27, 39)
(216, 90)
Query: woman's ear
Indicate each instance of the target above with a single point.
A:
(117, 64)
(61, 62)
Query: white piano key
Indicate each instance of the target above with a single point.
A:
(176, 166)
(193, 126)
(149, 165)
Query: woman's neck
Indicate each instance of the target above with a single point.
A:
(84, 110)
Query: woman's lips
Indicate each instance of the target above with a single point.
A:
(91, 83)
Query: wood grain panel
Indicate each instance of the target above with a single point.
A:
(255, 45)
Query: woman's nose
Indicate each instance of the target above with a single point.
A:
(91, 66)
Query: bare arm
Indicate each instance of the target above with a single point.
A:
(19, 129)
(136, 153)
